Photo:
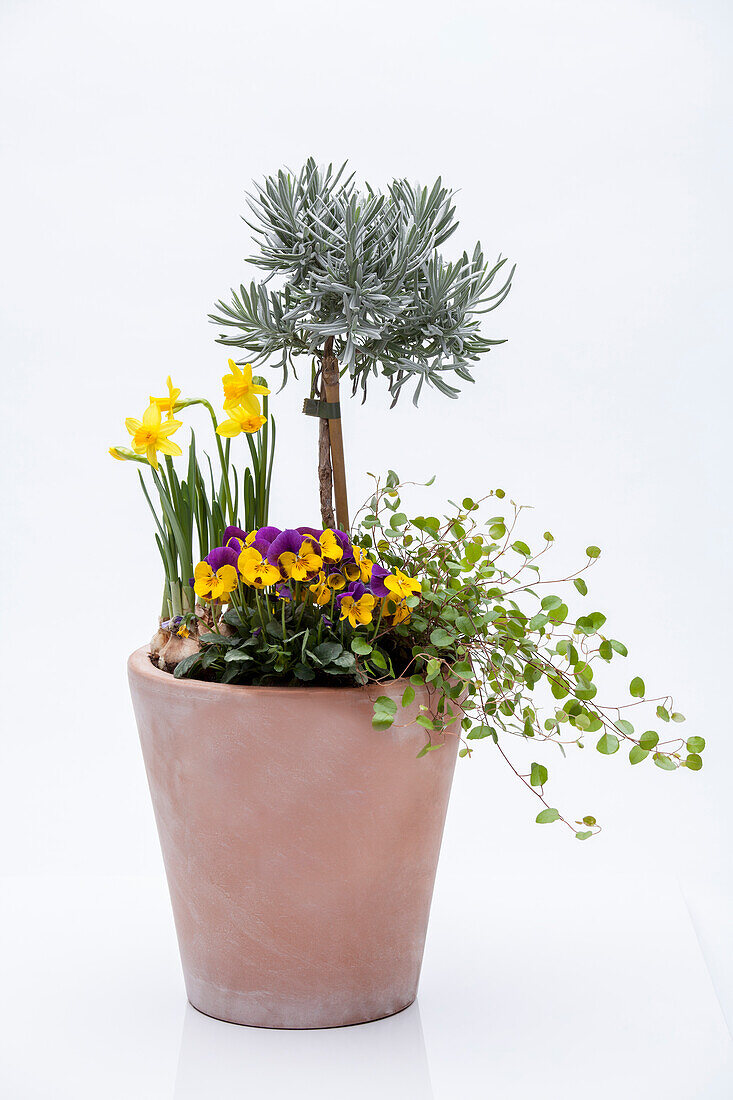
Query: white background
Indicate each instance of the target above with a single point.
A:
(591, 144)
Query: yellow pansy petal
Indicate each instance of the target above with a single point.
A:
(287, 560)
(227, 576)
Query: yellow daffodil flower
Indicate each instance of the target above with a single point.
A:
(242, 420)
(212, 585)
(150, 435)
(301, 566)
(401, 586)
(256, 570)
(320, 590)
(167, 404)
(331, 549)
(239, 389)
(358, 612)
(116, 452)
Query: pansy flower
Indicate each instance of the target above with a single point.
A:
(222, 555)
(262, 539)
(356, 605)
(331, 549)
(397, 611)
(321, 592)
(295, 555)
(401, 586)
(376, 581)
(360, 568)
(256, 570)
(237, 539)
(214, 584)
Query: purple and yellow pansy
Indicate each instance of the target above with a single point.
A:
(322, 567)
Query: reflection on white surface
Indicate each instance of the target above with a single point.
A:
(558, 986)
(384, 1059)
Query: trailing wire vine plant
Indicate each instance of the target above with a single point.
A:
(494, 641)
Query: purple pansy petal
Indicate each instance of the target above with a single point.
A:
(283, 591)
(376, 581)
(288, 541)
(268, 534)
(222, 555)
(261, 545)
(356, 590)
(234, 533)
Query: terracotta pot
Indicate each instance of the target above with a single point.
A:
(300, 844)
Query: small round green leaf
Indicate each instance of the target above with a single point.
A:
(695, 744)
(538, 775)
(637, 688)
(638, 754)
(693, 762)
(547, 816)
(608, 744)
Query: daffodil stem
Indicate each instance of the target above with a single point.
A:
(224, 461)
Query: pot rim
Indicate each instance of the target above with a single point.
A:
(139, 661)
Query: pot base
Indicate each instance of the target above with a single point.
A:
(258, 1022)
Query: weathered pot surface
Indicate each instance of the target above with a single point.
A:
(300, 844)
